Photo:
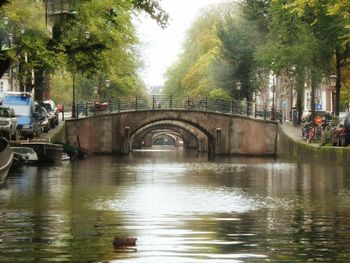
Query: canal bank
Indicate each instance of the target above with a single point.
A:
(58, 134)
(291, 144)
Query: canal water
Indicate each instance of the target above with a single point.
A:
(180, 207)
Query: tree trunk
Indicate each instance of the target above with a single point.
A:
(313, 87)
(337, 85)
(39, 85)
(300, 91)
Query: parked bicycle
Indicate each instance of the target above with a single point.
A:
(326, 133)
(314, 134)
(189, 103)
(306, 129)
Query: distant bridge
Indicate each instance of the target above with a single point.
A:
(215, 126)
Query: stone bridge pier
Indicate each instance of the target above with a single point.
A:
(216, 133)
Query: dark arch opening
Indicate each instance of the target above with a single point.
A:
(188, 125)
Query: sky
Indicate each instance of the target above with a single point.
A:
(160, 47)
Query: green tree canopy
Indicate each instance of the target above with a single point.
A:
(109, 52)
(217, 53)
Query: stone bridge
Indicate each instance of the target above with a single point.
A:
(216, 133)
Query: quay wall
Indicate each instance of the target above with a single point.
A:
(291, 148)
(60, 134)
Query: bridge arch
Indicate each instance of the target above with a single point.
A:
(226, 134)
(174, 136)
(165, 136)
(186, 131)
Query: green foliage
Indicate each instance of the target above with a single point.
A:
(341, 9)
(217, 53)
(154, 9)
(329, 26)
(257, 12)
(191, 74)
(290, 41)
(239, 39)
(108, 52)
(62, 92)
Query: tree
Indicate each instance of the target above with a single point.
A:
(330, 26)
(193, 73)
(300, 41)
(109, 52)
(239, 39)
(28, 50)
(257, 12)
(153, 8)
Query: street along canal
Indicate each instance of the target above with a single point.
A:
(180, 207)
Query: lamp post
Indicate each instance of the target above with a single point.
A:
(239, 87)
(87, 34)
(108, 83)
(96, 90)
(333, 81)
(74, 114)
(273, 110)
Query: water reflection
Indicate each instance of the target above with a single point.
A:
(181, 207)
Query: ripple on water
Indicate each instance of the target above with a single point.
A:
(175, 200)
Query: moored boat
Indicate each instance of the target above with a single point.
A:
(18, 161)
(47, 153)
(6, 158)
(28, 153)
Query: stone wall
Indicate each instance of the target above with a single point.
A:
(253, 137)
(289, 148)
(227, 134)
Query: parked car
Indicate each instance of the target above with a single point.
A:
(8, 123)
(339, 135)
(27, 119)
(43, 117)
(52, 110)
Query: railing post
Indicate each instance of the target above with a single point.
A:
(188, 102)
(77, 110)
(62, 112)
(86, 108)
(136, 106)
(206, 103)
(118, 102)
(154, 102)
(255, 108)
(110, 107)
(265, 113)
(232, 105)
(171, 102)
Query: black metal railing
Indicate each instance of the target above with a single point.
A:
(160, 102)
